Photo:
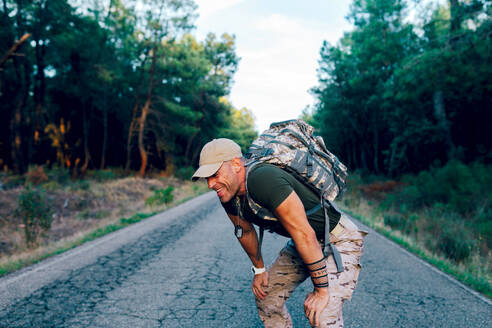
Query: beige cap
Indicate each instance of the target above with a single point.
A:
(215, 153)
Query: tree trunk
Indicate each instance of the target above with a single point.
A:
(145, 111)
(363, 159)
(105, 104)
(18, 159)
(195, 154)
(131, 130)
(5, 10)
(105, 130)
(16, 130)
(169, 164)
(141, 146)
(376, 150)
(442, 121)
(16, 137)
(193, 136)
(188, 147)
(134, 122)
(39, 97)
(85, 131)
(354, 155)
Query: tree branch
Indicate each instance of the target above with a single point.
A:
(12, 50)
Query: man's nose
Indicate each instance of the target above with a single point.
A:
(210, 182)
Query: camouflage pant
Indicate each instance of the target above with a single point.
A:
(288, 271)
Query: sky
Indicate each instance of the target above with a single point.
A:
(278, 43)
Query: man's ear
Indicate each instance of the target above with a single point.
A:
(237, 164)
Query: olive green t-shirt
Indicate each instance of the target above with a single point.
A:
(269, 186)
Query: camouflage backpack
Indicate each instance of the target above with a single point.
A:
(292, 146)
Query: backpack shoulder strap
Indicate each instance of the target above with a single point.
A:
(329, 248)
(259, 210)
(253, 205)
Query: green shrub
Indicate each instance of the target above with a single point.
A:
(58, 174)
(455, 244)
(52, 185)
(460, 188)
(412, 224)
(411, 198)
(387, 203)
(401, 223)
(484, 213)
(485, 231)
(395, 221)
(35, 212)
(13, 181)
(102, 175)
(438, 209)
(118, 172)
(454, 185)
(184, 173)
(80, 185)
(430, 191)
(161, 196)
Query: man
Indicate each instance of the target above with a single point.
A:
(222, 164)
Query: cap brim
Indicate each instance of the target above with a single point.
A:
(205, 171)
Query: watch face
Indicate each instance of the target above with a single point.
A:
(253, 269)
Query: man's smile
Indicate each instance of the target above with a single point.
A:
(219, 191)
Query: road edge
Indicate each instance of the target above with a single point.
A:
(429, 265)
(18, 284)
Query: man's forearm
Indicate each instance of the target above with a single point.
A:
(307, 246)
(293, 217)
(311, 253)
(249, 242)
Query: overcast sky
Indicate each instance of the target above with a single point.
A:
(278, 42)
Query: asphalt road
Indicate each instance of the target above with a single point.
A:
(184, 268)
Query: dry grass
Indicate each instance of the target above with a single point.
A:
(77, 213)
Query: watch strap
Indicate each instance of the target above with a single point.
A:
(257, 270)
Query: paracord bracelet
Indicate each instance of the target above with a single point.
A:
(318, 273)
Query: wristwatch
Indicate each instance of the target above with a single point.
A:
(257, 270)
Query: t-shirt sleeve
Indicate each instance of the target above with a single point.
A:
(269, 186)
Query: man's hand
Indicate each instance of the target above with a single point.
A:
(260, 281)
(314, 304)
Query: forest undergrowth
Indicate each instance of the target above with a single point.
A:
(443, 215)
(45, 212)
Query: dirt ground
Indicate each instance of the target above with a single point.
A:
(78, 208)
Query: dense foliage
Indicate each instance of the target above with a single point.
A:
(112, 83)
(457, 200)
(396, 96)
(443, 214)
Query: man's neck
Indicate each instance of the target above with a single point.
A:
(241, 192)
(242, 187)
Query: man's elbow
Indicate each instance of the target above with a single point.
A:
(305, 237)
